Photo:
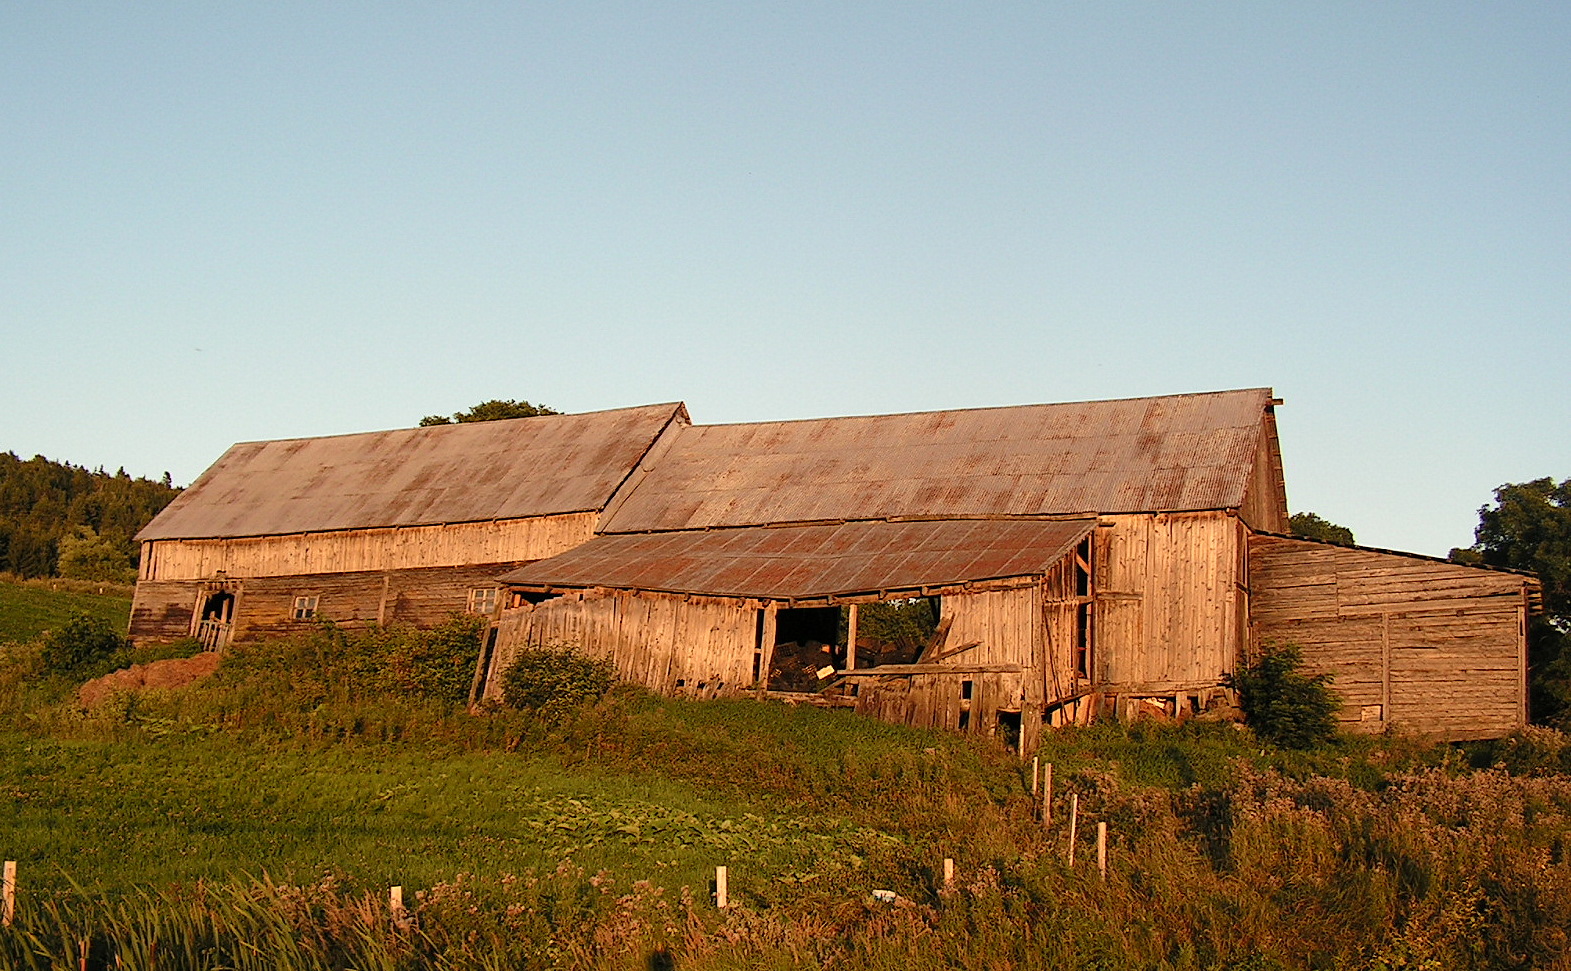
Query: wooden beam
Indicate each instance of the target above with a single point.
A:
(885, 670)
(935, 644)
(851, 637)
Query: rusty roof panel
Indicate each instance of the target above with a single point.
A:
(806, 562)
(471, 472)
(1169, 454)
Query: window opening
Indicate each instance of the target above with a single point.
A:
(1083, 640)
(482, 600)
(894, 631)
(306, 607)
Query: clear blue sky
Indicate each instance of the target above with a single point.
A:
(223, 222)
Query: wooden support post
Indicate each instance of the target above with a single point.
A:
(1047, 795)
(1101, 849)
(8, 893)
(1074, 822)
(949, 874)
(851, 638)
(766, 649)
(1036, 768)
(722, 888)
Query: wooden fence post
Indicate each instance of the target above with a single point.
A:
(395, 908)
(1074, 822)
(1101, 849)
(949, 873)
(8, 893)
(1047, 795)
(1036, 766)
(722, 887)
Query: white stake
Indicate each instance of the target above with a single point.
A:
(1047, 795)
(1101, 849)
(1036, 767)
(1074, 822)
(722, 888)
(949, 873)
(8, 893)
(395, 909)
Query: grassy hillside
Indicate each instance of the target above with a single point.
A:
(258, 819)
(28, 607)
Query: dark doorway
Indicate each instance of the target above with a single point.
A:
(805, 639)
(215, 621)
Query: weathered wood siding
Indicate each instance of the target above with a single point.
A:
(1432, 647)
(361, 550)
(698, 646)
(1265, 498)
(1170, 601)
(264, 606)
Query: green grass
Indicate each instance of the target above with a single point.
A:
(30, 607)
(257, 819)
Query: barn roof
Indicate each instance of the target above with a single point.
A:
(1164, 454)
(815, 561)
(473, 472)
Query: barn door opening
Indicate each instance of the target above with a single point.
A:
(805, 640)
(215, 619)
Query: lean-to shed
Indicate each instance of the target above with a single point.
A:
(407, 526)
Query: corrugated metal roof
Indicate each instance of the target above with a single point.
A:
(473, 472)
(806, 562)
(1167, 454)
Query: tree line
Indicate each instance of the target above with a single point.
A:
(59, 519)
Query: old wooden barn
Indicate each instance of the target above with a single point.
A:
(401, 526)
(1083, 560)
(1112, 556)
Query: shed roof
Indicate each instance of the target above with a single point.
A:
(808, 562)
(1164, 454)
(472, 472)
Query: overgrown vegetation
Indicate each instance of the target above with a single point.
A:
(553, 681)
(255, 820)
(1281, 703)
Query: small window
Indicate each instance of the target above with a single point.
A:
(305, 607)
(482, 600)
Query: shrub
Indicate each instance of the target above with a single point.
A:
(1284, 705)
(437, 663)
(81, 643)
(556, 678)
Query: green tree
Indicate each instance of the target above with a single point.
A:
(1529, 528)
(1311, 526)
(493, 410)
(84, 555)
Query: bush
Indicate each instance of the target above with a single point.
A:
(81, 643)
(1284, 705)
(556, 678)
(437, 663)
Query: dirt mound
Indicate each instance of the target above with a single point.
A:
(173, 673)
